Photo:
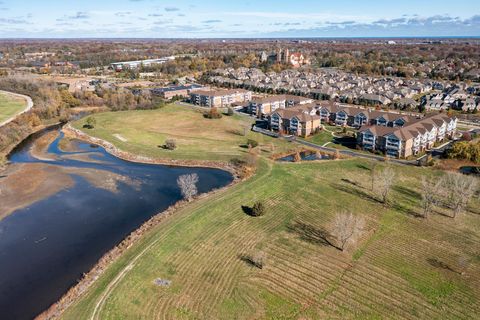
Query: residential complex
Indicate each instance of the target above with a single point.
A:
(176, 91)
(395, 134)
(260, 107)
(119, 66)
(219, 98)
(301, 120)
(410, 139)
(334, 84)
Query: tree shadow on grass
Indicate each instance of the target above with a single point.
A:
(363, 167)
(355, 191)
(310, 233)
(409, 193)
(248, 260)
(405, 210)
(354, 183)
(248, 211)
(434, 262)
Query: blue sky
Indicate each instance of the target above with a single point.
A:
(221, 19)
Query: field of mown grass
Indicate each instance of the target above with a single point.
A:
(393, 272)
(321, 138)
(10, 106)
(197, 138)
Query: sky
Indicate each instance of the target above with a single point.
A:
(237, 19)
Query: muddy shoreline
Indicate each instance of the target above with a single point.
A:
(89, 278)
(71, 132)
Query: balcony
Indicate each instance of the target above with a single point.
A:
(393, 146)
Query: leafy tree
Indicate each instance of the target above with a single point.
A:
(252, 143)
(258, 209)
(170, 144)
(90, 123)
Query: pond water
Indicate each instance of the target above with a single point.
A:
(470, 170)
(305, 156)
(47, 246)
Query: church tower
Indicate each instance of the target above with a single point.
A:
(286, 58)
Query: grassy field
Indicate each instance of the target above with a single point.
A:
(320, 138)
(10, 106)
(198, 138)
(394, 272)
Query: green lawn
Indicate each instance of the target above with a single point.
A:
(321, 138)
(10, 106)
(391, 273)
(198, 138)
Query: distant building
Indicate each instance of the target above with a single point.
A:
(263, 56)
(119, 66)
(295, 59)
(176, 91)
(220, 98)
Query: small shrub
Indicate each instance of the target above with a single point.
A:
(90, 123)
(213, 114)
(252, 143)
(170, 144)
(297, 157)
(257, 259)
(258, 209)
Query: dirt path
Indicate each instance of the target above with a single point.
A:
(27, 107)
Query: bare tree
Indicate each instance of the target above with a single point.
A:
(429, 194)
(346, 228)
(457, 190)
(187, 184)
(384, 180)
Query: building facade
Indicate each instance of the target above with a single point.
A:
(219, 98)
(412, 138)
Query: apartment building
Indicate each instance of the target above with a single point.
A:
(261, 107)
(345, 115)
(220, 98)
(410, 139)
(176, 91)
(301, 120)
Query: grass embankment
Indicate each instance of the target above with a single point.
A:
(392, 273)
(10, 106)
(198, 138)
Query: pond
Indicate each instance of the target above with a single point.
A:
(47, 245)
(470, 170)
(306, 156)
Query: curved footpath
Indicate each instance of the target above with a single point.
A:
(27, 108)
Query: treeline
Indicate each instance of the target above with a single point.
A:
(52, 104)
(48, 105)
(465, 150)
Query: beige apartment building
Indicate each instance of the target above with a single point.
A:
(220, 98)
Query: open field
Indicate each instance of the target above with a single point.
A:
(396, 271)
(198, 138)
(10, 106)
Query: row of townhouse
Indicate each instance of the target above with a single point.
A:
(345, 115)
(260, 107)
(416, 136)
(220, 98)
(301, 120)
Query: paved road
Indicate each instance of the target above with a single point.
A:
(27, 108)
